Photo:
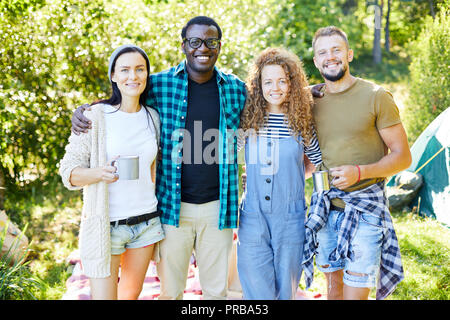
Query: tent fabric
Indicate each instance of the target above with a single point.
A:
(433, 199)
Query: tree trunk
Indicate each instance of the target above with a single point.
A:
(433, 14)
(376, 52)
(387, 38)
(348, 6)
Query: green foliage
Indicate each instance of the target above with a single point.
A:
(430, 74)
(293, 24)
(55, 55)
(408, 18)
(16, 280)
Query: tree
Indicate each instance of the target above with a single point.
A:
(293, 24)
(387, 38)
(430, 74)
(376, 48)
(54, 55)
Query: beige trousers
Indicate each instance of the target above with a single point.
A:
(198, 230)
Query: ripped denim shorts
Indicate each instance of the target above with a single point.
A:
(366, 246)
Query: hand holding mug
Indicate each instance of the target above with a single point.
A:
(108, 173)
(344, 176)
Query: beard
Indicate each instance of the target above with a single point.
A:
(335, 77)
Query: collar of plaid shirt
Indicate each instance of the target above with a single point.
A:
(169, 95)
(372, 200)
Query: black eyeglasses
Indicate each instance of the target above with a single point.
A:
(195, 43)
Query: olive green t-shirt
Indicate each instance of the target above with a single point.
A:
(347, 125)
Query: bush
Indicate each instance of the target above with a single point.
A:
(430, 74)
(16, 280)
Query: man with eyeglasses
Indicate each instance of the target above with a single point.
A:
(197, 176)
(199, 196)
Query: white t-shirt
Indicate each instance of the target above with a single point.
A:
(131, 134)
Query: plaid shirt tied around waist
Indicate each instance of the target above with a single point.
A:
(369, 200)
(168, 94)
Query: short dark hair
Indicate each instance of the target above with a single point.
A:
(202, 20)
(328, 32)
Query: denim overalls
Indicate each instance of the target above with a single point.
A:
(272, 219)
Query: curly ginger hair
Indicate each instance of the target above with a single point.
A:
(297, 106)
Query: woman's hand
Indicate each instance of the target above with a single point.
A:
(107, 174)
(84, 176)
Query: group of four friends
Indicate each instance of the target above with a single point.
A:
(187, 124)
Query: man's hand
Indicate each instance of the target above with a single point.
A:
(344, 176)
(317, 90)
(79, 122)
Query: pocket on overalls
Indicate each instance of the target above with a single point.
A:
(250, 228)
(296, 210)
(295, 223)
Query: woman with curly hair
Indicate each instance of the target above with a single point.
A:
(279, 139)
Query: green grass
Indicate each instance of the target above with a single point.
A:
(53, 219)
(425, 247)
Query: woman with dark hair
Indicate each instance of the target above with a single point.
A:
(279, 139)
(120, 223)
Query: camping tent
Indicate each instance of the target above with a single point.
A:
(431, 158)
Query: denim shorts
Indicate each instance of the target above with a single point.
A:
(366, 247)
(136, 236)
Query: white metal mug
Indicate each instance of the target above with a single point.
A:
(127, 167)
(321, 181)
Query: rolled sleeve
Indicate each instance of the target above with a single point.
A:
(77, 154)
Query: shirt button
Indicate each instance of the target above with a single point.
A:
(182, 117)
(269, 143)
(269, 162)
(267, 198)
(178, 167)
(268, 180)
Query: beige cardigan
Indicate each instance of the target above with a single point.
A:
(88, 150)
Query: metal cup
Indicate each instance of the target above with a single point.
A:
(320, 181)
(127, 167)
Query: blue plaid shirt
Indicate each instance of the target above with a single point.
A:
(169, 95)
(372, 200)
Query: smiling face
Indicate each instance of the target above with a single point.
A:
(332, 57)
(275, 86)
(130, 74)
(201, 61)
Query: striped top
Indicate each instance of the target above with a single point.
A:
(276, 127)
